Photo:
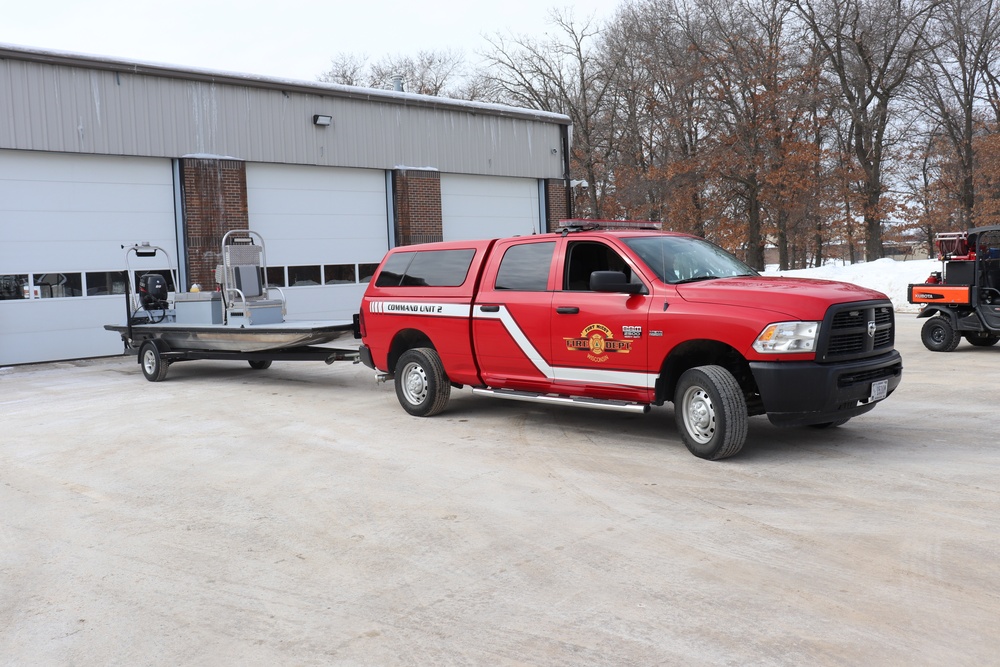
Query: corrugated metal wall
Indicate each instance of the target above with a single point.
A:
(69, 104)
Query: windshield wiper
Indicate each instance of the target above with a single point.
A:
(696, 279)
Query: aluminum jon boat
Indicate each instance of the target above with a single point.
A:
(243, 320)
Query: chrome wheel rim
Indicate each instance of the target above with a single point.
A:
(414, 383)
(149, 362)
(699, 415)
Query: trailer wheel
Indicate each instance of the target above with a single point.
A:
(938, 335)
(421, 385)
(260, 364)
(711, 412)
(982, 340)
(154, 366)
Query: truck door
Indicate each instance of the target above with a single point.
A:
(600, 339)
(511, 315)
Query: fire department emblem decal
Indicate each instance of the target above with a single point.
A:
(599, 343)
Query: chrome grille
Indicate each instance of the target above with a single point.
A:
(846, 331)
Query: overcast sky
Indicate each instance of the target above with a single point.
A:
(292, 39)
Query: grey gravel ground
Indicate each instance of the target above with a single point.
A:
(299, 516)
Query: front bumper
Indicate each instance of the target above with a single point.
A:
(805, 392)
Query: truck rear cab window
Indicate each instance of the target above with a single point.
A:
(432, 268)
(525, 267)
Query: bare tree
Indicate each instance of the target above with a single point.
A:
(438, 73)
(871, 47)
(562, 74)
(949, 86)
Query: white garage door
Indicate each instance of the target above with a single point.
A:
(63, 220)
(486, 207)
(325, 230)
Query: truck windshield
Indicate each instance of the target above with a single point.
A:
(681, 259)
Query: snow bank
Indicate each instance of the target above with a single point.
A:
(885, 275)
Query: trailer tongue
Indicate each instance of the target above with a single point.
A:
(244, 320)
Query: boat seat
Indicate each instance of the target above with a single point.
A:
(247, 279)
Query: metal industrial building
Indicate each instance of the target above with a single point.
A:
(98, 153)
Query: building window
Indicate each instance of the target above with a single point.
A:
(105, 282)
(276, 276)
(366, 271)
(57, 285)
(339, 274)
(14, 286)
(300, 276)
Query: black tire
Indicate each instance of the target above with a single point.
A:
(711, 412)
(154, 366)
(938, 334)
(421, 385)
(260, 365)
(833, 424)
(982, 340)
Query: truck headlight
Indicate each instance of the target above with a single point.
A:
(787, 337)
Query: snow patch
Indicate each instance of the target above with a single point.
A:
(886, 275)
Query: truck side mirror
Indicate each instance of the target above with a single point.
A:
(613, 281)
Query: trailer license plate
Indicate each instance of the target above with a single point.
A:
(880, 390)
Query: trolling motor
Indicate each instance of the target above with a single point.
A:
(153, 291)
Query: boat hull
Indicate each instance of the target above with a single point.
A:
(223, 338)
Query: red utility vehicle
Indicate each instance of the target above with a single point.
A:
(624, 320)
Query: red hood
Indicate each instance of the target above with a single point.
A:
(798, 298)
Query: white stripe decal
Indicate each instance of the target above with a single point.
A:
(566, 374)
(420, 308)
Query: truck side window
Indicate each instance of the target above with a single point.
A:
(525, 267)
(585, 257)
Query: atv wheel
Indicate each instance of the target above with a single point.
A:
(421, 385)
(982, 340)
(938, 335)
(711, 412)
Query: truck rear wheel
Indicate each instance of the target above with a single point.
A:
(711, 412)
(938, 335)
(421, 385)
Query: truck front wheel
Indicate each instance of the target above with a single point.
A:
(938, 335)
(421, 385)
(711, 412)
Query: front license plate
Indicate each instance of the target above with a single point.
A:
(880, 390)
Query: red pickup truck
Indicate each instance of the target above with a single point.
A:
(624, 320)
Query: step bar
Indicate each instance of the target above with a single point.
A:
(593, 403)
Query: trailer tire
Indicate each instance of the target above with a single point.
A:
(939, 335)
(982, 340)
(421, 384)
(260, 364)
(711, 412)
(154, 366)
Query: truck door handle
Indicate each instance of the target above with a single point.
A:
(567, 310)
(489, 309)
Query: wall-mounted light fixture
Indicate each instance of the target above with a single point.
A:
(321, 120)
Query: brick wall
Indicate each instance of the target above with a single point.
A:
(418, 206)
(214, 195)
(556, 202)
